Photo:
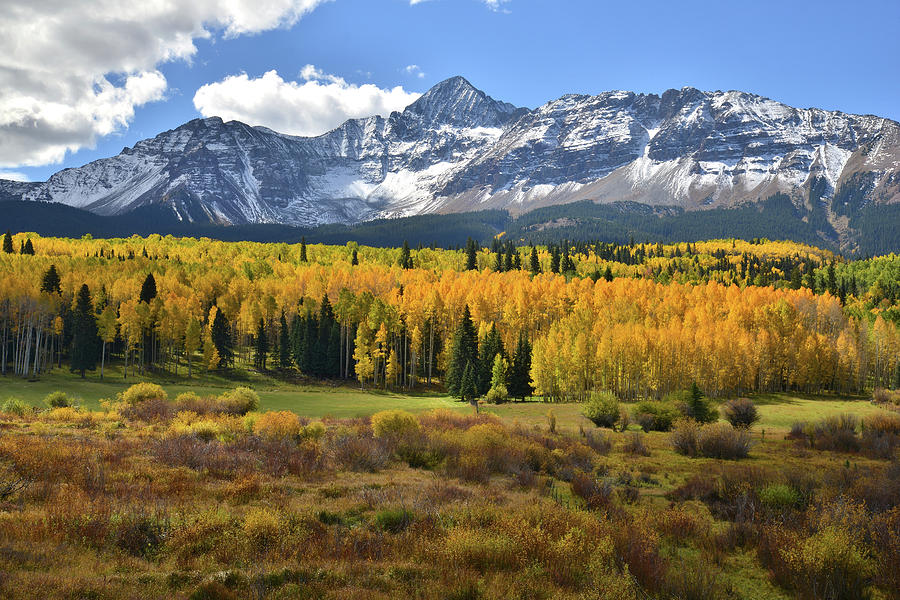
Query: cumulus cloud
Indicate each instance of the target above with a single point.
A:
(13, 176)
(495, 5)
(72, 70)
(414, 70)
(316, 104)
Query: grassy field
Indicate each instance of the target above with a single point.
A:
(778, 411)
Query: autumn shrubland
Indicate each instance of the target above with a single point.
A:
(189, 497)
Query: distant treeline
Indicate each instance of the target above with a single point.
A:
(875, 229)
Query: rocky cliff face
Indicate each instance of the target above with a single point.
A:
(457, 149)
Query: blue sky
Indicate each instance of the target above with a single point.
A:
(357, 52)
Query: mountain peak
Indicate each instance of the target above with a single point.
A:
(455, 101)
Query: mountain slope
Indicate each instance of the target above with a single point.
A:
(456, 149)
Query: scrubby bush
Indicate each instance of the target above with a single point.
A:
(598, 442)
(635, 445)
(713, 440)
(832, 433)
(720, 440)
(830, 565)
(149, 410)
(655, 416)
(239, 401)
(275, 425)
(596, 494)
(741, 412)
(393, 425)
(141, 392)
(261, 526)
(684, 437)
(779, 496)
(497, 395)
(354, 450)
(58, 399)
(16, 406)
(393, 520)
(602, 409)
(883, 396)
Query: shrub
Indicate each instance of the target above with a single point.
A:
(152, 409)
(883, 396)
(779, 496)
(392, 425)
(16, 406)
(497, 395)
(275, 425)
(634, 444)
(58, 400)
(655, 416)
(261, 526)
(830, 565)
(313, 431)
(141, 392)
(239, 401)
(713, 440)
(741, 412)
(393, 520)
(602, 409)
(597, 495)
(598, 442)
(355, 451)
(684, 437)
(832, 433)
(720, 440)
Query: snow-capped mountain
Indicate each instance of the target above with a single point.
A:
(457, 149)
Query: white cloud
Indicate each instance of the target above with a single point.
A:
(14, 176)
(495, 5)
(318, 103)
(72, 70)
(414, 70)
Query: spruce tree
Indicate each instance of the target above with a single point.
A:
(221, 338)
(50, 282)
(333, 358)
(554, 260)
(84, 333)
(534, 264)
(519, 385)
(467, 388)
(405, 261)
(262, 345)
(491, 346)
(607, 274)
(7, 243)
(148, 289)
(28, 248)
(463, 350)
(471, 255)
(303, 249)
(284, 343)
(354, 260)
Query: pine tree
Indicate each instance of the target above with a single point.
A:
(84, 333)
(607, 274)
(262, 345)
(28, 248)
(471, 255)
(491, 346)
(519, 385)
(554, 260)
(333, 358)
(534, 264)
(221, 339)
(303, 249)
(50, 282)
(7, 243)
(463, 350)
(284, 343)
(405, 261)
(354, 260)
(148, 289)
(467, 390)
